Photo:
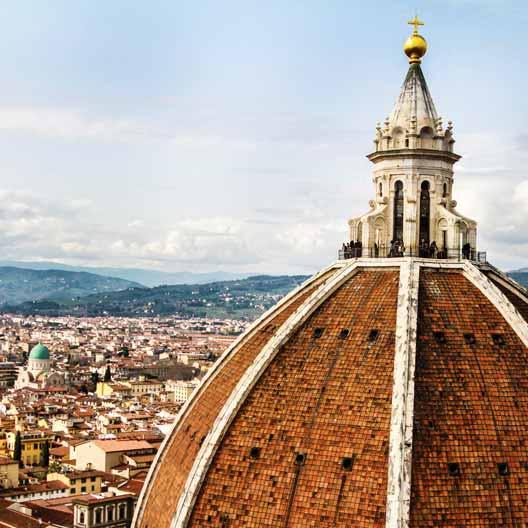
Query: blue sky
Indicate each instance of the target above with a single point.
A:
(200, 135)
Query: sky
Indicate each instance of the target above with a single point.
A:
(231, 135)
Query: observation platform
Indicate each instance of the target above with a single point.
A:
(399, 251)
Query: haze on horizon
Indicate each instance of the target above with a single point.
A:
(232, 135)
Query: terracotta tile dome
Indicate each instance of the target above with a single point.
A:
(383, 392)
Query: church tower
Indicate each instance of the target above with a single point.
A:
(413, 176)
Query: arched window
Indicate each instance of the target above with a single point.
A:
(444, 193)
(381, 189)
(81, 518)
(425, 214)
(398, 211)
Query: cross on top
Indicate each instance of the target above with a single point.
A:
(415, 22)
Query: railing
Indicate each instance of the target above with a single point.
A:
(398, 251)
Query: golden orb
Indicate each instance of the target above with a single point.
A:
(415, 48)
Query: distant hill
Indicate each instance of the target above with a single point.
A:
(520, 276)
(83, 294)
(146, 277)
(23, 285)
(240, 299)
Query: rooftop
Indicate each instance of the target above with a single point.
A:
(121, 445)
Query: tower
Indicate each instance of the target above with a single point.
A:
(413, 175)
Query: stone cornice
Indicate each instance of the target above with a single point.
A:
(414, 154)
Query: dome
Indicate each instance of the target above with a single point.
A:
(415, 48)
(39, 352)
(382, 392)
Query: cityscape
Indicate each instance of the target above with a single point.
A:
(86, 404)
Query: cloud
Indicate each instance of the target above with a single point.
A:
(491, 187)
(57, 231)
(215, 131)
(71, 124)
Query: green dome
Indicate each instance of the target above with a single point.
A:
(39, 352)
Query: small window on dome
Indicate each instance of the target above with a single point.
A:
(300, 459)
(498, 339)
(454, 469)
(347, 463)
(344, 333)
(470, 339)
(439, 337)
(373, 335)
(317, 333)
(255, 453)
(503, 469)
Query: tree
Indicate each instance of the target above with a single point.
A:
(55, 467)
(95, 378)
(17, 451)
(107, 374)
(45, 455)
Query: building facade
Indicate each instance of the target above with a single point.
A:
(103, 511)
(33, 443)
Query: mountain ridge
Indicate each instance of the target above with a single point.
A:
(241, 299)
(18, 285)
(146, 277)
(237, 299)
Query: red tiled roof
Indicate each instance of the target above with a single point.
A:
(96, 499)
(111, 446)
(14, 519)
(41, 487)
(59, 451)
(133, 485)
